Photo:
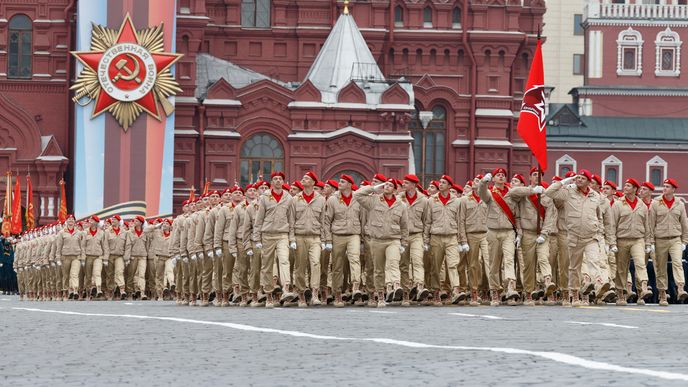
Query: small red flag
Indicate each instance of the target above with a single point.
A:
(16, 209)
(532, 126)
(62, 214)
(30, 220)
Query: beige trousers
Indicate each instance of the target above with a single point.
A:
(411, 266)
(627, 248)
(140, 264)
(534, 254)
(307, 256)
(71, 266)
(346, 247)
(275, 249)
(664, 248)
(241, 267)
(502, 248)
(384, 250)
(445, 251)
(475, 266)
(577, 248)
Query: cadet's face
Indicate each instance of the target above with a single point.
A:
(408, 186)
(92, 223)
(388, 189)
(237, 196)
(500, 178)
(294, 190)
(467, 190)
(226, 197)
(432, 189)
(277, 181)
(594, 186)
(629, 189)
(444, 185)
(165, 226)
(328, 190)
(516, 182)
(70, 223)
(317, 189)
(644, 192)
(307, 181)
(534, 178)
(251, 193)
(453, 192)
(344, 185)
(607, 190)
(262, 188)
(668, 189)
(582, 182)
(137, 223)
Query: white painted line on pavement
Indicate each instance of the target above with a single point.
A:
(487, 316)
(128, 303)
(554, 356)
(5, 299)
(602, 324)
(382, 311)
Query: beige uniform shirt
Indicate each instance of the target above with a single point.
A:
(306, 218)
(417, 212)
(69, 243)
(387, 222)
(472, 217)
(668, 222)
(271, 218)
(584, 212)
(96, 245)
(342, 219)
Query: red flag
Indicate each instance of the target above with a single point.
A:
(16, 209)
(62, 213)
(192, 193)
(532, 120)
(30, 220)
(7, 208)
(206, 188)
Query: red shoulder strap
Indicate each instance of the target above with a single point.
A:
(538, 206)
(505, 207)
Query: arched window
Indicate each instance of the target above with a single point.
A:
(629, 53)
(668, 54)
(565, 164)
(255, 13)
(428, 129)
(612, 169)
(398, 16)
(358, 177)
(261, 155)
(427, 17)
(656, 170)
(20, 48)
(456, 18)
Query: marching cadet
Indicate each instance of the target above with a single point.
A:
(190, 249)
(502, 235)
(181, 255)
(250, 247)
(534, 242)
(583, 222)
(204, 238)
(328, 189)
(136, 251)
(163, 263)
(239, 277)
(224, 260)
(365, 255)
(97, 255)
(343, 236)
(55, 263)
(632, 238)
(271, 234)
(70, 252)
(669, 231)
(411, 265)
(306, 233)
(388, 220)
(640, 264)
(472, 236)
(117, 240)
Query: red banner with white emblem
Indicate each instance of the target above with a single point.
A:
(532, 120)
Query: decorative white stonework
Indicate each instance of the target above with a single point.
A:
(564, 161)
(612, 161)
(51, 206)
(629, 39)
(656, 162)
(668, 42)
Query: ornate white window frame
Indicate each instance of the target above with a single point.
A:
(629, 38)
(656, 162)
(612, 161)
(668, 39)
(566, 160)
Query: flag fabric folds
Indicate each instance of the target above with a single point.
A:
(16, 209)
(30, 220)
(532, 119)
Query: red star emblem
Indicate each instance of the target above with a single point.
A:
(127, 71)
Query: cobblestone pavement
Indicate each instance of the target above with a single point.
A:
(161, 344)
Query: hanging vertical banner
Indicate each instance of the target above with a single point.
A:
(124, 113)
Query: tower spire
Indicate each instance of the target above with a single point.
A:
(346, 7)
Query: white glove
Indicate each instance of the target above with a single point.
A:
(292, 245)
(652, 248)
(194, 257)
(518, 241)
(328, 246)
(234, 255)
(20, 270)
(59, 263)
(648, 249)
(487, 178)
(52, 264)
(568, 180)
(126, 263)
(218, 252)
(540, 240)
(538, 189)
(606, 249)
(106, 263)
(402, 249)
(173, 261)
(83, 263)
(185, 259)
(571, 186)
(614, 249)
(210, 253)
(175, 258)
(426, 248)
(683, 247)
(380, 186)
(322, 246)
(465, 248)
(249, 252)
(259, 246)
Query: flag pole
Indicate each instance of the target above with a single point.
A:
(539, 169)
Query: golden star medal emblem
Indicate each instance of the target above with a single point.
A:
(126, 73)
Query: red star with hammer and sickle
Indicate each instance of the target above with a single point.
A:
(127, 34)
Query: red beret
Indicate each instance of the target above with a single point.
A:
(533, 169)
(228, 189)
(285, 187)
(185, 203)
(498, 170)
(618, 194)
(108, 220)
(519, 177)
(633, 181)
(448, 179)
(597, 178)
(479, 176)
(671, 182)
(365, 182)
(312, 175)
(570, 174)
(649, 185)
(544, 185)
(260, 183)
(236, 188)
(610, 183)
(412, 178)
(347, 178)
(248, 187)
(117, 217)
(469, 183)
(557, 178)
(458, 188)
(298, 185)
(354, 187)
(586, 173)
(70, 216)
(169, 221)
(333, 184)
(426, 193)
(320, 184)
(278, 173)
(95, 218)
(140, 218)
(214, 192)
(393, 181)
(435, 183)
(380, 177)
(158, 220)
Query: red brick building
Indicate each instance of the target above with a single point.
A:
(431, 86)
(630, 118)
